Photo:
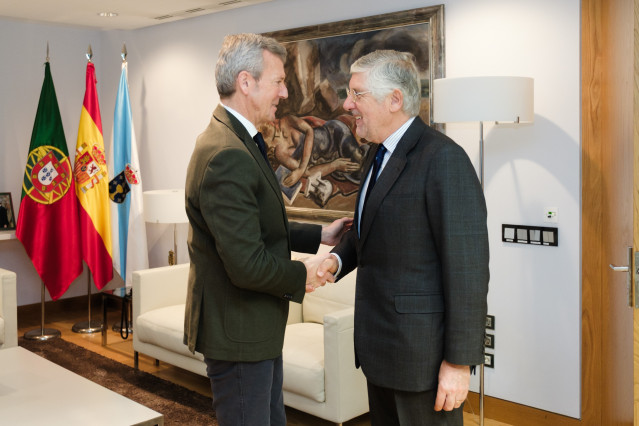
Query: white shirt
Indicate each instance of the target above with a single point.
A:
(390, 144)
(250, 127)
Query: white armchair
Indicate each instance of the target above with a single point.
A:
(8, 310)
(320, 377)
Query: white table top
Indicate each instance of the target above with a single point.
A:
(35, 391)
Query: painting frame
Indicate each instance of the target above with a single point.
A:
(433, 16)
(7, 216)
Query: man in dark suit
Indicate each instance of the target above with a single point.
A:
(241, 277)
(420, 243)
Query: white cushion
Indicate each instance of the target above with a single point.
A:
(164, 327)
(1, 331)
(303, 357)
(329, 298)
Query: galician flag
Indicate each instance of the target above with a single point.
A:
(48, 222)
(125, 190)
(92, 187)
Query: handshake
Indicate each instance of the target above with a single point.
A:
(319, 270)
(322, 267)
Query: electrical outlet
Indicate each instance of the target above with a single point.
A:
(550, 214)
(489, 341)
(490, 322)
(489, 360)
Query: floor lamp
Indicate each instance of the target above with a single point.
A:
(493, 98)
(166, 206)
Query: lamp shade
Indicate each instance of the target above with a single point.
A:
(165, 206)
(492, 98)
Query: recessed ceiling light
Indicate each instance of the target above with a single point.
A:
(107, 14)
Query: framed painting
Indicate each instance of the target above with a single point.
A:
(312, 144)
(7, 218)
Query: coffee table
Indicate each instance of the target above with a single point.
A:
(35, 391)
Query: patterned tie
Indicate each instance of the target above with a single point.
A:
(259, 140)
(379, 158)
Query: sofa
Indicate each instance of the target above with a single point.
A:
(320, 377)
(8, 310)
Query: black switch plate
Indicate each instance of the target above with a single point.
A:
(535, 235)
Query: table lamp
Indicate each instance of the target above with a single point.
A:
(166, 206)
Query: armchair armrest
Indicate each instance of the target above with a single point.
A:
(344, 382)
(9, 308)
(159, 287)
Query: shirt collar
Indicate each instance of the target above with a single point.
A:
(391, 142)
(250, 127)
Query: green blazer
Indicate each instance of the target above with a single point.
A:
(241, 277)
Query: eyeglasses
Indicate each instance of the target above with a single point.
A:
(356, 95)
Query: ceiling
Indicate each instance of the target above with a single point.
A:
(131, 14)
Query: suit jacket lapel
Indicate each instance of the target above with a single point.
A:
(391, 172)
(232, 123)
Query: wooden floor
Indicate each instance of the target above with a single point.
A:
(63, 314)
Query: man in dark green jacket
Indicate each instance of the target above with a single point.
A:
(241, 277)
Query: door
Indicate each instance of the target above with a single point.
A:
(609, 202)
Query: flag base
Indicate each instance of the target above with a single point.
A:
(117, 327)
(87, 327)
(42, 334)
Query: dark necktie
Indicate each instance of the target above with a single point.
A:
(259, 140)
(379, 158)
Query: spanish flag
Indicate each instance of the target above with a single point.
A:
(48, 223)
(92, 187)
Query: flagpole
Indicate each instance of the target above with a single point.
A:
(42, 333)
(125, 326)
(90, 326)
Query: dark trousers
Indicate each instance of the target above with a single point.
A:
(390, 407)
(247, 393)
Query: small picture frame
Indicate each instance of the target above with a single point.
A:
(7, 217)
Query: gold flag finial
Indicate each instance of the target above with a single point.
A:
(89, 53)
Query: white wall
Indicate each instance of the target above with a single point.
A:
(23, 49)
(534, 291)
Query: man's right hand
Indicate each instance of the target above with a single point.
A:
(328, 267)
(313, 278)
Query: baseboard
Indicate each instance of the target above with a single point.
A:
(516, 414)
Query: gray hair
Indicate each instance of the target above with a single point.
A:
(243, 52)
(389, 70)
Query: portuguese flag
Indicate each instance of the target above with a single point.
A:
(48, 222)
(92, 187)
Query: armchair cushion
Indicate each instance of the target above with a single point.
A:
(303, 357)
(325, 300)
(164, 327)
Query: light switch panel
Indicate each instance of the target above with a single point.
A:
(525, 234)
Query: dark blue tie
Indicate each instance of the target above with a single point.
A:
(379, 158)
(259, 140)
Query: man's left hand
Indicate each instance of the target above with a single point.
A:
(454, 381)
(332, 234)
